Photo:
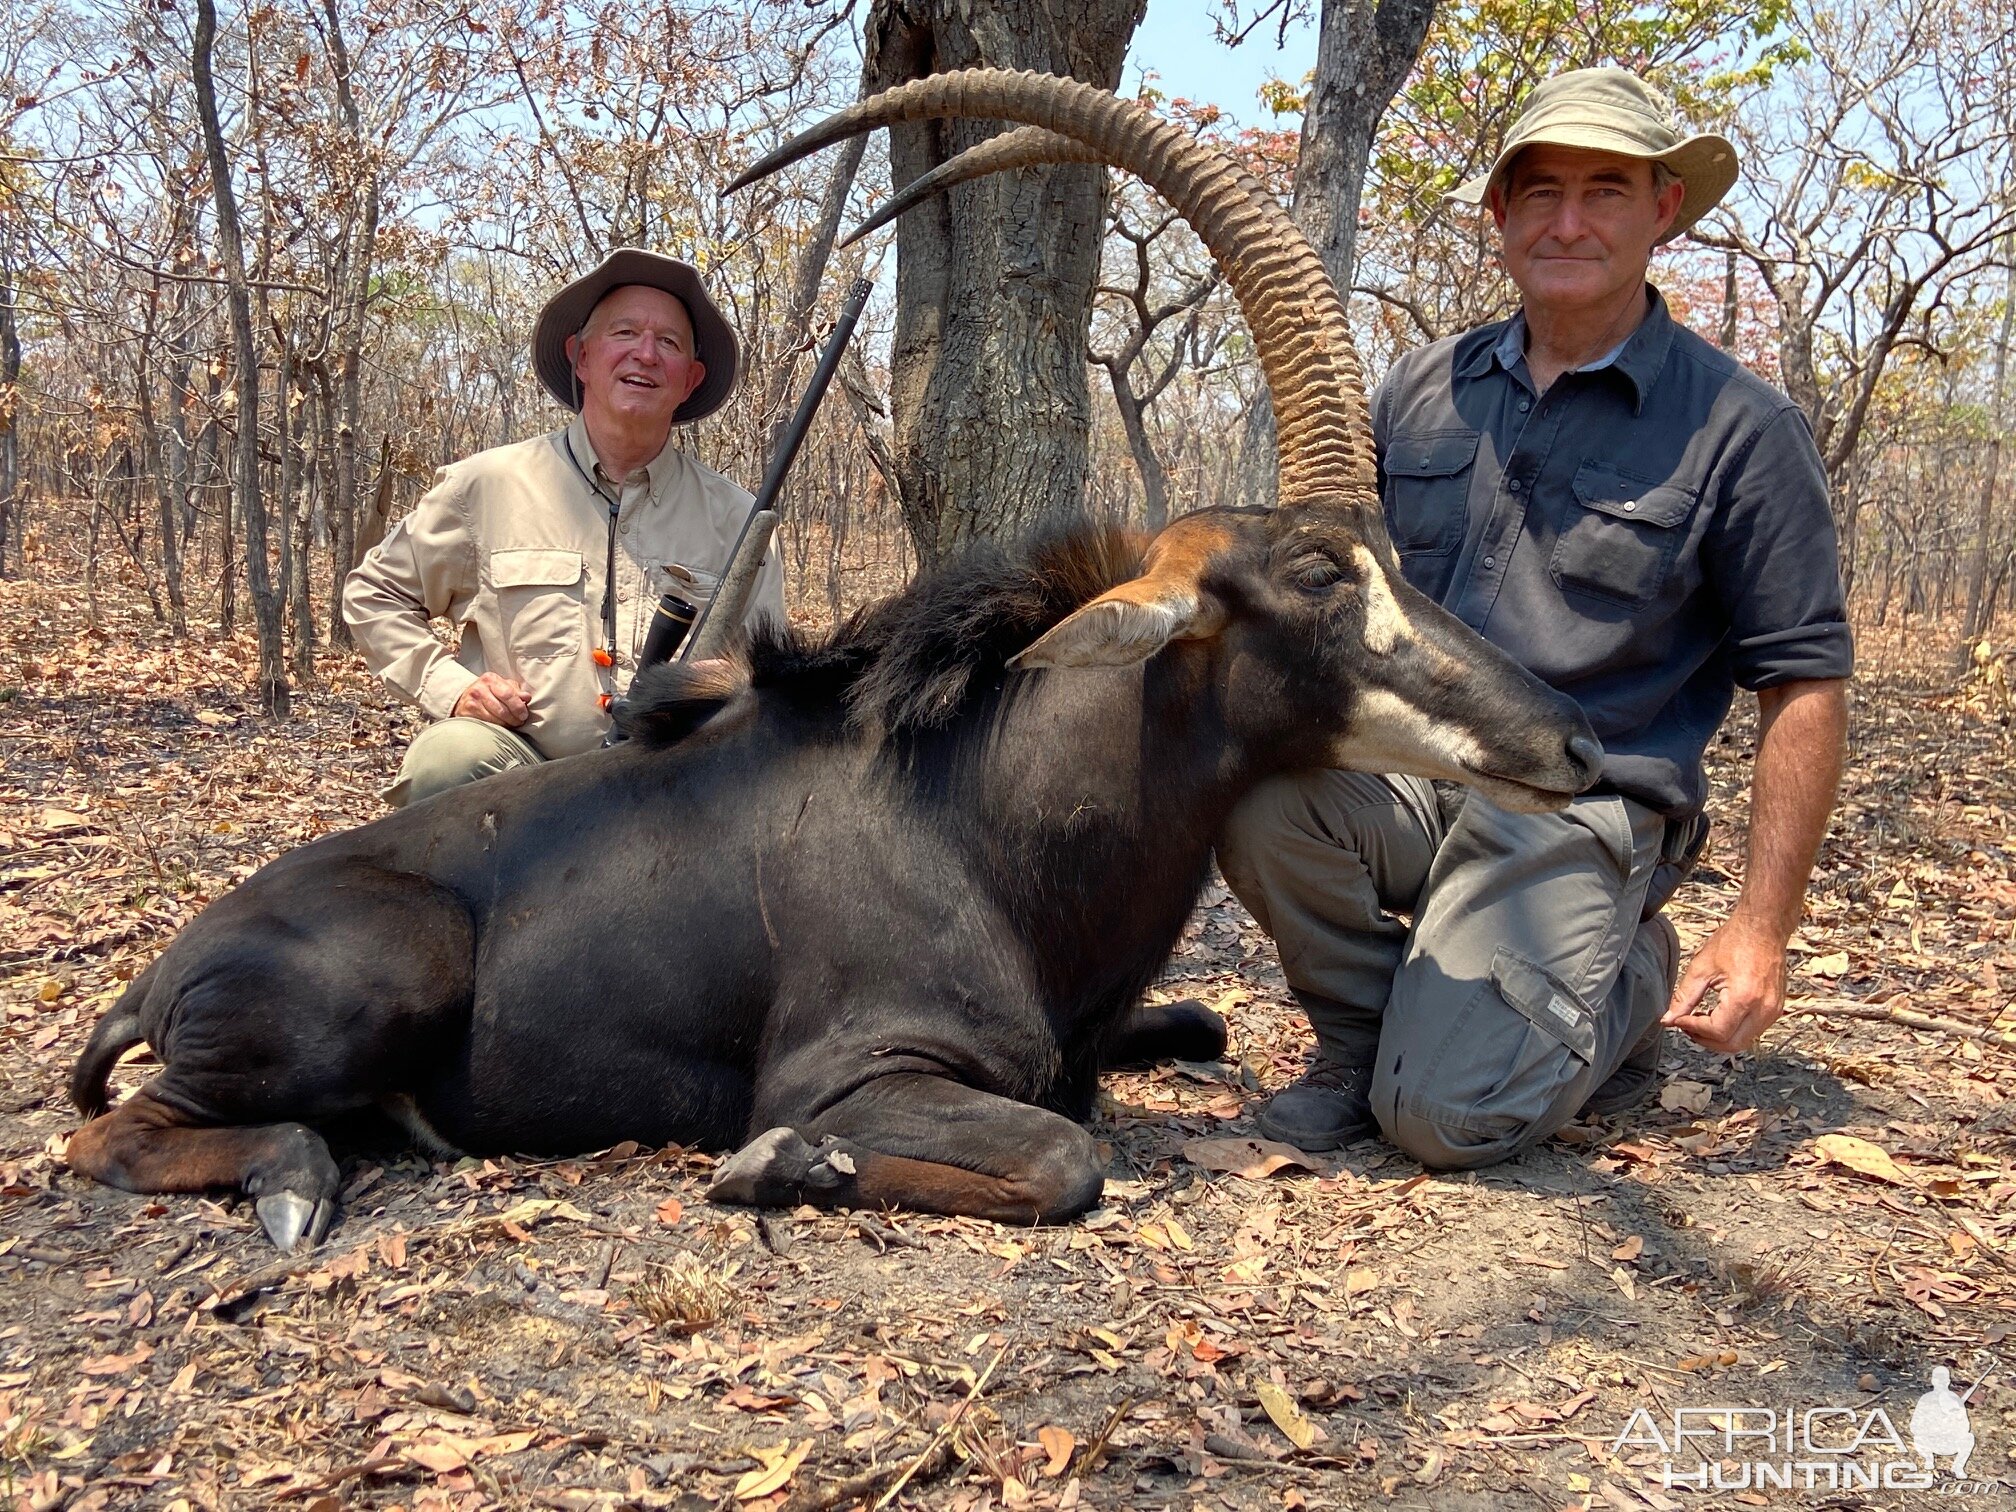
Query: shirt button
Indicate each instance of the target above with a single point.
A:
(1490, 561)
(624, 528)
(1515, 485)
(1525, 405)
(1629, 505)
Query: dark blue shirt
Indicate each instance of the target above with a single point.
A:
(1649, 535)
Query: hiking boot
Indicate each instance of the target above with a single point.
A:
(1330, 1105)
(1632, 1083)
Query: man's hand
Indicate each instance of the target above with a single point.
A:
(1803, 731)
(1747, 963)
(495, 700)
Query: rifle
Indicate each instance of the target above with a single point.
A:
(723, 613)
(675, 614)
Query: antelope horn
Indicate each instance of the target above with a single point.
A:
(1283, 290)
(1024, 147)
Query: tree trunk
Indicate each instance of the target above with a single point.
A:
(1984, 512)
(989, 395)
(273, 692)
(1363, 55)
(359, 255)
(10, 377)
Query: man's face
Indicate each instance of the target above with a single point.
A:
(634, 359)
(1578, 225)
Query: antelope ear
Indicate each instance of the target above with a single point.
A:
(1122, 627)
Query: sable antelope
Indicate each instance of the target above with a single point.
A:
(877, 908)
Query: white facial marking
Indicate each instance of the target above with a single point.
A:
(1388, 734)
(1386, 624)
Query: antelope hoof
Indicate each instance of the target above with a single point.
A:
(288, 1218)
(761, 1173)
(778, 1167)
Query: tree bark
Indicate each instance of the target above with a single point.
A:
(274, 697)
(1364, 51)
(989, 395)
(359, 254)
(10, 377)
(1984, 513)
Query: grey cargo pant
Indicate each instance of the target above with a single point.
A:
(450, 752)
(1523, 980)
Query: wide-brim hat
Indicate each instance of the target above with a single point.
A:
(1612, 110)
(714, 340)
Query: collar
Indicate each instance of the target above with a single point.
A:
(657, 470)
(1638, 358)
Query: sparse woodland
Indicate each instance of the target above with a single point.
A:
(263, 269)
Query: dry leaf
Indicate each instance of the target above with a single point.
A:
(1254, 1159)
(1058, 1444)
(442, 1454)
(1360, 1279)
(1862, 1156)
(1630, 1249)
(671, 1210)
(1835, 965)
(778, 1465)
(1686, 1096)
(1286, 1415)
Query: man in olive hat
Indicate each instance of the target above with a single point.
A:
(1644, 524)
(549, 556)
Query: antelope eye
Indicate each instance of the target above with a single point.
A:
(1316, 572)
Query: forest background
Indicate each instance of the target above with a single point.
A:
(394, 188)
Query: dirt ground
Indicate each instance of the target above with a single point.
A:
(1816, 1226)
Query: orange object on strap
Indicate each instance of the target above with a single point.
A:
(603, 657)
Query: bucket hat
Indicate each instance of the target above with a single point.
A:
(566, 312)
(1612, 110)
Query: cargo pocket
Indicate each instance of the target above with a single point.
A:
(1428, 489)
(1620, 535)
(1501, 1068)
(540, 600)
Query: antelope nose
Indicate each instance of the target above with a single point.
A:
(1586, 753)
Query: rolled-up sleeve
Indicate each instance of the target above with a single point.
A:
(425, 568)
(1771, 559)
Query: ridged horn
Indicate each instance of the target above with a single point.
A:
(1024, 147)
(1290, 304)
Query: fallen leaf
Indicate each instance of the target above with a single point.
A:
(1360, 1279)
(1286, 1415)
(1835, 965)
(1630, 1249)
(779, 1463)
(1686, 1096)
(1861, 1156)
(442, 1454)
(1058, 1444)
(1254, 1159)
(671, 1210)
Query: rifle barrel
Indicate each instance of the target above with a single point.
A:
(738, 582)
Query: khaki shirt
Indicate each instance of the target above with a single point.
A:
(511, 546)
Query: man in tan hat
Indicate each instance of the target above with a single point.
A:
(1645, 525)
(548, 556)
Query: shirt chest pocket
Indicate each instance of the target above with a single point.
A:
(1428, 489)
(1620, 535)
(540, 600)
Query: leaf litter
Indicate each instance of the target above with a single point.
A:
(1239, 1324)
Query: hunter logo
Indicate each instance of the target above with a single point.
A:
(1812, 1448)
